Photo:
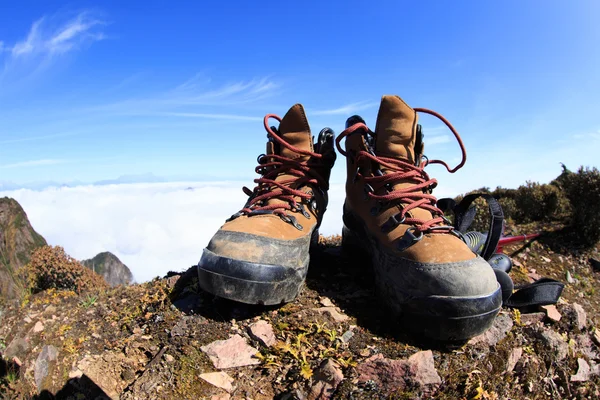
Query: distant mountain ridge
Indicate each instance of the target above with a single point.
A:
(111, 268)
(18, 240)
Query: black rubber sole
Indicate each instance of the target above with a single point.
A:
(443, 318)
(252, 283)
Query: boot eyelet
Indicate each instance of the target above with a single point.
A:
(392, 223)
(409, 238)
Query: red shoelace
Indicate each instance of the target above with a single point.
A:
(273, 165)
(413, 196)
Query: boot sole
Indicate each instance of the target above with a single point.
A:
(443, 318)
(251, 283)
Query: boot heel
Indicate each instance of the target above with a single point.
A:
(352, 245)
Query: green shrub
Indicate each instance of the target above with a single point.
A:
(583, 191)
(50, 267)
(538, 202)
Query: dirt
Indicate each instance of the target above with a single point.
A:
(143, 341)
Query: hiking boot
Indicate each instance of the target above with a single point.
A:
(261, 254)
(423, 269)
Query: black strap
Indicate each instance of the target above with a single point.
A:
(464, 215)
(542, 292)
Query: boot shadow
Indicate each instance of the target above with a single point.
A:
(74, 389)
(348, 280)
(188, 298)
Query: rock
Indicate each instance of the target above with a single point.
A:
(18, 347)
(396, 375)
(223, 396)
(181, 327)
(347, 336)
(583, 371)
(586, 346)
(172, 281)
(325, 380)
(552, 312)
(513, 358)
(532, 318)
(75, 373)
(546, 259)
(596, 336)
(38, 327)
(554, 341)
(263, 332)
(50, 309)
(333, 313)
(580, 316)
(169, 358)
(569, 277)
(219, 379)
(326, 302)
(230, 353)
(44, 364)
(498, 331)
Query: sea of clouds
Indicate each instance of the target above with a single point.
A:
(152, 227)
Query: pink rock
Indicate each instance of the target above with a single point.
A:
(580, 316)
(583, 371)
(263, 332)
(393, 375)
(333, 313)
(552, 313)
(38, 327)
(219, 379)
(513, 358)
(532, 318)
(230, 353)
(326, 380)
(498, 331)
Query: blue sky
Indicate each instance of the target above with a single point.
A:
(95, 90)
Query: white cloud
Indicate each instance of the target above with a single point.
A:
(47, 39)
(44, 38)
(33, 163)
(345, 110)
(184, 100)
(152, 228)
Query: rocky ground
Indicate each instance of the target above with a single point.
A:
(166, 339)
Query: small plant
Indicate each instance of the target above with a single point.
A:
(88, 301)
(11, 376)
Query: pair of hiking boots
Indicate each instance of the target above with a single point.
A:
(424, 271)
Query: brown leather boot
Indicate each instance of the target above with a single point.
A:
(261, 254)
(423, 269)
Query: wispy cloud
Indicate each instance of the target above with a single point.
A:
(194, 99)
(48, 38)
(347, 109)
(45, 38)
(34, 163)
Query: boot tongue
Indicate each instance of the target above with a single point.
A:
(395, 129)
(294, 129)
(395, 137)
